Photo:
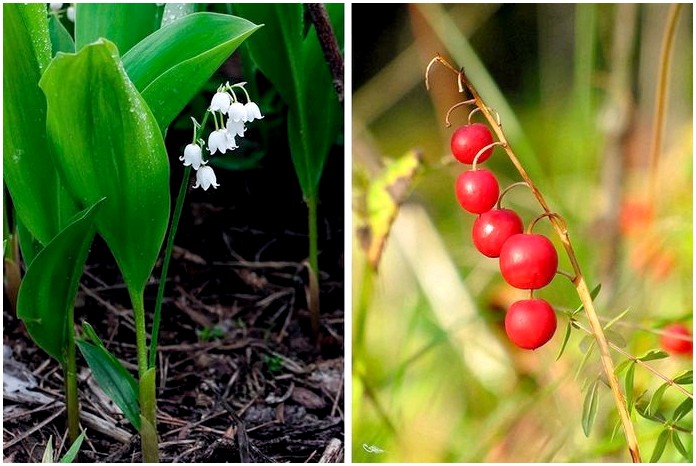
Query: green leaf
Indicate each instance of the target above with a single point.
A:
(124, 24)
(657, 398)
(680, 447)
(113, 378)
(74, 449)
(36, 22)
(296, 67)
(653, 355)
(616, 319)
(621, 367)
(108, 145)
(170, 66)
(47, 295)
(642, 409)
(28, 169)
(47, 456)
(61, 40)
(593, 295)
(660, 446)
(628, 386)
(566, 337)
(685, 378)
(683, 409)
(29, 245)
(175, 11)
(589, 408)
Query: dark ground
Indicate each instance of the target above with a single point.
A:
(239, 376)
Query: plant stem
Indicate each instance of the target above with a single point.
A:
(329, 44)
(72, 403)
(146, 387)
(579, 282)
(313, 267)
(165, 265)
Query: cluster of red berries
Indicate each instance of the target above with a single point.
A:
(527, 261)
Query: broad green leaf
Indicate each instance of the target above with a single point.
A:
(298, 70)
(628, 386)
(47, 295)
(29, 245)
(383, 199)
(660, 446)
(175, 11)
(589, 408)
(171, 66)
(61, 40)
(36, 22)
(653, 355)
(108, 145)
(656, 399)
(124, 24)
(683, 409)
(74, 449)
(685, 378)
(113, 378)
(566, 337)
(28, 170)
(680, 447)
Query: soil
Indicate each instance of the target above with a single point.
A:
(239, 375)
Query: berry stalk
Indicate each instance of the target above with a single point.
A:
(578, 281)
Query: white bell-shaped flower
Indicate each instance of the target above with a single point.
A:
(55, 6)
(193, 155)
(205, 178)
(219, 141)
(252, 111)
(70, 13)
(221, 102)
(235, 128)
(237, 112)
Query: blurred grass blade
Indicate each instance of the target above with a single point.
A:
(74, 449)
(114, 379)
(660, 446)
(170, 66)
(589, 408)
(28, 170)
(108, 145)
(61, 40)
(47, 295)
(124, 24)
(628, 386)
(683, 409)
(616, 319)
(383, 199)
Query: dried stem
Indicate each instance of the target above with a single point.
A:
(329, 44)
(579, 281)
(627, 355)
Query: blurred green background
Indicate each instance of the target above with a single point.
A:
(434, 376)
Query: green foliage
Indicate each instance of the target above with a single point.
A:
(589, 408)
(210, 333)
(74, 449)
(660, 446)
(112, 377)
(171, 66)
(99, 122)
(124, 24)
(61, 40)
(37, 193)
(294, 63)
(47, 294)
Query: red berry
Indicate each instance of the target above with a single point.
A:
(477, 190)
(528, 262)
(468, 140)
(677, 339)
(530, 323)
(493, 228)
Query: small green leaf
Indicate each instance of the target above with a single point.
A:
(124, 24)
(686, 378)
(683, 409)
(48, 452)
(616, 319)
(680, 447)
(621, 367)
(642, 409)
(61, 40)
(589, 408)
(593, 295)
(566, 337)
(108, 145)
(615, 338)
(653, 355)
(71, 454)
(114, 379)
(657, 398)
(660, 446)
(47, 295)
(170, 66)
(628, 386)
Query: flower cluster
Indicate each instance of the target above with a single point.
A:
(223, 104)
(58, 7)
